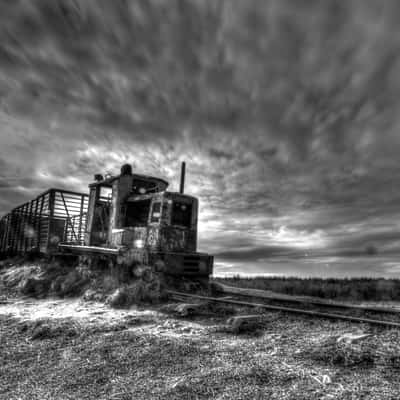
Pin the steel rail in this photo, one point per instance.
(288, 309)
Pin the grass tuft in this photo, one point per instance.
(366, 353)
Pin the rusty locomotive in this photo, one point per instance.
(128, 218)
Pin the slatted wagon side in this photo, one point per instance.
(40, 224)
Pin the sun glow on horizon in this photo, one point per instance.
(287, 236)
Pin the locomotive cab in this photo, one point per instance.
(136, 214)
(160, 222)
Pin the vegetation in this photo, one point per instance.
(158, 357)
(355, 289)
(49, 352)
(367, 353)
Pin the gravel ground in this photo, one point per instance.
(71, 349)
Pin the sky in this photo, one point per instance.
(286, 113)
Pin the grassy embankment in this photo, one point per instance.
(352, 289)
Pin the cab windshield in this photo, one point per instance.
(137, 213)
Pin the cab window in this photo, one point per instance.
(181, 214)
(137, 213)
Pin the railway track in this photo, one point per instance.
(237, 300)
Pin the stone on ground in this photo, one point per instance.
(92, 295)
(244, 323)
(136, 292)
(351, 338)
(118, 298)
(73, 283)
(34, 286)
(188, 309)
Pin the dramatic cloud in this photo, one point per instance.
(286, 111)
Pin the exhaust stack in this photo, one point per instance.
(183, 170)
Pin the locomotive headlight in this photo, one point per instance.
(55, 239)
(138, 243)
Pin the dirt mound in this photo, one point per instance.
(147, 289)
(39, 279)
(119, 286)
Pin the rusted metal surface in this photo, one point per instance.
(177, 239)
(81, 249)
(93, 197)
(176, 263)
(151, 183)
(134, 237)
(158, 233)
(183, 172)
(189, 264)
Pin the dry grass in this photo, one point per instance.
(291, 358)
(286, 357)
(367, 353)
